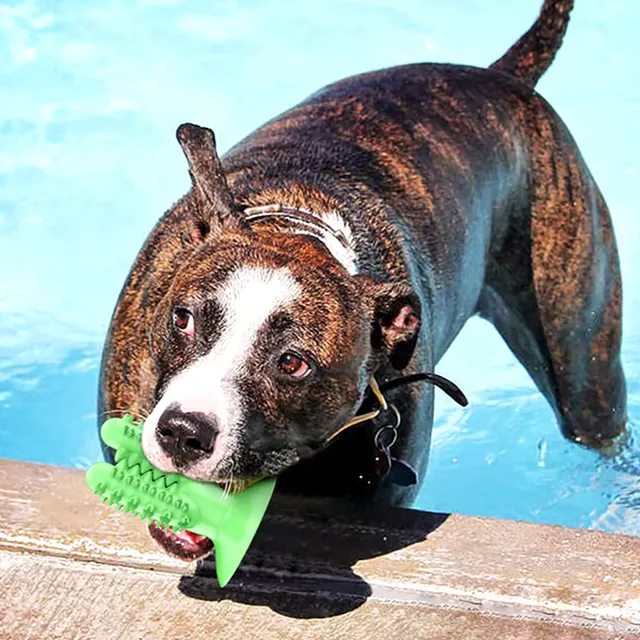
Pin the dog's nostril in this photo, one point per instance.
(194, 443)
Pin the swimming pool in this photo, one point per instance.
(89, 101)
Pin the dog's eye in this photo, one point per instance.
(293, 365)
(183, 321)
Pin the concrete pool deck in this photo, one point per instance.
(72, 568)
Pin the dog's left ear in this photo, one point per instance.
(210, 188)
(396, 320)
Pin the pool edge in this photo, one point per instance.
(317, 568)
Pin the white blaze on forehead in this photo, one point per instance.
(209, 385)
(248, 298)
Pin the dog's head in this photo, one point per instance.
(264, 343)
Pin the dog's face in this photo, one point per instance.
(261, 356)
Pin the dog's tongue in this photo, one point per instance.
(191, 537)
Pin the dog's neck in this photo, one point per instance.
(328, 227)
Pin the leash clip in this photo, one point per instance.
(398, 471)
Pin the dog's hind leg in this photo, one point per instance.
(553, 290)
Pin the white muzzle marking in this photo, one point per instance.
(248, 297)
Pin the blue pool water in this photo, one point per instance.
(90, 96)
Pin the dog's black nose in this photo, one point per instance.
(185, 437)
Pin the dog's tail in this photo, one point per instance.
(531, 56)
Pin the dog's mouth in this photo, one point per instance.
(185, 545)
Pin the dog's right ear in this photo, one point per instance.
(210, 188)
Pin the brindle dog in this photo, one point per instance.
(409, 200)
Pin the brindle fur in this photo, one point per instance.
(462, 183)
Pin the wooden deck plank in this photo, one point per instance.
(315, 568)
(56, 598)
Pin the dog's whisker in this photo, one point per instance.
(229, 484)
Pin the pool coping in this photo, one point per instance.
(316, 568)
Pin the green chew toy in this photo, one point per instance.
(230, 521)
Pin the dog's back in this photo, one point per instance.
(433, 157)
